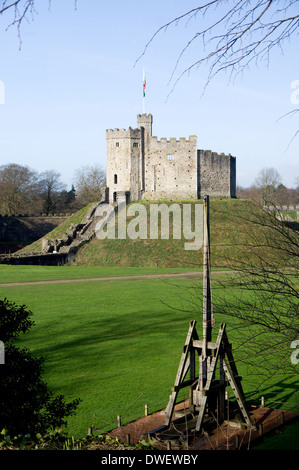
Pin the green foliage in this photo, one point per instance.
(145, 444)
(53, 439)
(26, 403)
(14, 323)
(57, 439)
(72, 444)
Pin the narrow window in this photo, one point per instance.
(117, 144)
(115, 179)
(135, 144)
(114, 197)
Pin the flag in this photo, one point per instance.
(144, 84)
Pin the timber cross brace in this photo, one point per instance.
(206, 392)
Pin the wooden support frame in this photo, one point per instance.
(220, 354)
(204, 389)
(185, 364)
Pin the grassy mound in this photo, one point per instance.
(233, 228)
(229, 223)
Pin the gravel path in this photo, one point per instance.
(107, 278)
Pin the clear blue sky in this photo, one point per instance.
(75, 76)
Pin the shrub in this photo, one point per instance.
(26, 403)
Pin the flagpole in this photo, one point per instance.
(143, 86)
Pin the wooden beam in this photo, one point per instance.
(234, 385)
(210, 374)
(198, 344)
(182, 371)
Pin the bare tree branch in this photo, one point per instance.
(263, 293)
(243, 32)
(21, 9)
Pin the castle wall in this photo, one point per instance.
(171, 168)
(216, 174)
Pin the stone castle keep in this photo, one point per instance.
(139, 166)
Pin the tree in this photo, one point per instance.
(66, 200)
(19, 188)
(268, 180)
(26, 403)
(51, 186)
(23, 190)
(252, 192)
(282, 195)
(89, 181)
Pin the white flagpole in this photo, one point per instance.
(143, 91)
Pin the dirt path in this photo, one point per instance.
(107, 278)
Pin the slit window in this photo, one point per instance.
(115, 179)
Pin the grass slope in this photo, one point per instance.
(226, 227)
(229, 221)
(59, 231)
(229, 230)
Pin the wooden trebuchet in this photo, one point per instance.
(206, 392)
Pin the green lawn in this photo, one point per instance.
(116, 344)
(100, 341)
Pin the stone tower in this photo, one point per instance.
(139, 166)
(145, 121)
(123, 163)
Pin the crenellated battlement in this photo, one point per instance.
(123, 133)
(171, 140)
(144, 116)
(211, 154)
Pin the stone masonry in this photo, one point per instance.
(139, 166)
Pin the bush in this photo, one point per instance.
(26, 403)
